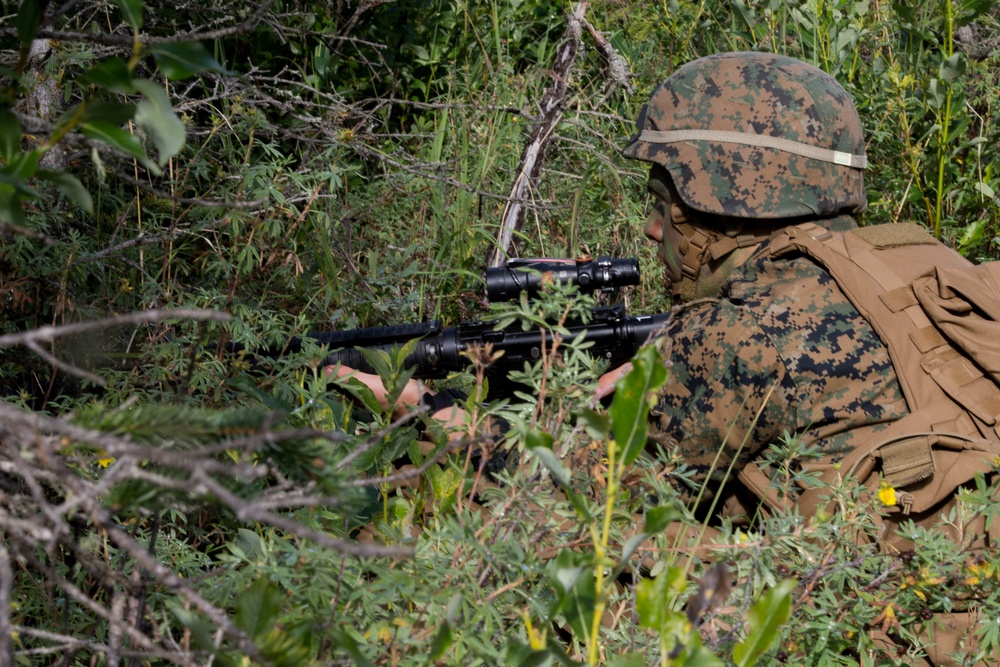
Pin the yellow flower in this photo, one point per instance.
(535, 637)
(887, 494)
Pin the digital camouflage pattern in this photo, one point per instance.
(785, 343)
(762, 94)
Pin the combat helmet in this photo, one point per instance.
(755, 136)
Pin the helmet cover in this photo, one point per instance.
(755, 135)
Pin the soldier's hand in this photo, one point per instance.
(410, 395)
(606, 383)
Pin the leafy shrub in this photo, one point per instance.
(182, 177)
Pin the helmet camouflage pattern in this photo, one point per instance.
(755, 135)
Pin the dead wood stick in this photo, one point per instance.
(551, 108)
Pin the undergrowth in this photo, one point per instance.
(185, 181)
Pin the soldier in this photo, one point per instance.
(747, 151)
(743, 144)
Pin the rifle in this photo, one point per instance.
(615, 336)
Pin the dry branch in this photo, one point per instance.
(50, 489)
(32, 339)
(550, 112)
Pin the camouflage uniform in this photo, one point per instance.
(783, 343)
(743, 144)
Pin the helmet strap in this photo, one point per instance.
(702, 245)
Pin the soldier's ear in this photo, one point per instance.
(659, 184)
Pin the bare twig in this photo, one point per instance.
(127, 41)
(31, 339)
(618, 73)
(50, 333)
(32, 345)
(249, 511)
(6, 588)
(551, 110)
(10, 229)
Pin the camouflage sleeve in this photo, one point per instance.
(728, 395)
(785, 351)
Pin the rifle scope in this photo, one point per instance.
(505, 283)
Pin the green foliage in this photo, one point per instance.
(334, 165)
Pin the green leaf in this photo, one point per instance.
(628, 660)
(350, 645)
(121, 139)
(696, 655)
(392, 446)
(572, 576)
(442, 640)
(69, 186)
(661, 516)
(765, 619)
(938, 93)
(10, 135)
(201, 630)
(630, 407)
(22, 166)
(272, 403)
(15, 183)
(907, 14)
(131, 12)
(540, 444)
(598, 424)
(112, 75)
(952, 69)
(360, 391)
(970, 10)
(181, 60)
(399, 374)
(250, 545)
(29, 17)
(559, 472)
(657, 519)
(518, 654)
(534, 438)
(155, 115)
(654, 600)
(446, 484)
(984, 189)
(972, 233)
(290, 646)
(112, 113)
(258, 608)
(379, 360)
(522, 655)
(10, 204)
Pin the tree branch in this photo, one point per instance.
(551, 107)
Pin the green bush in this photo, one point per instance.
(181, 177)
